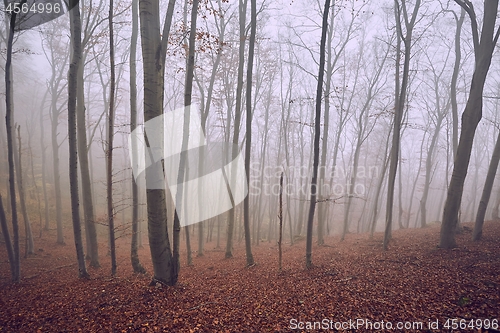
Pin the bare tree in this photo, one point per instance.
(237, 118)
(483, 51)
(76, 30)
(29, 247)
(248, 143)
(317, 129)
(9, 111)
(406, 38)
(154, 46)
(111, 132)
(134, 257)
(485, 197)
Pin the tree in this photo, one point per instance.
(134, 257)
(9, 110)
(84, 148)
(188, 92)
(317, 129)
(400, 102)
(76, 30)
(8, 242)
(454, 78)
(237, 118)
(154, 48)
(29, 247)
(483, 51)
(248, 143)
(111, 132)
(485, 196)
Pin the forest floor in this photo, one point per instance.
(354, 286)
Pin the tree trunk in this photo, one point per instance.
(9, 113)
(454, 79)
(188, 90)
(134, 256)
(83, 158)
(43, 149)
(414, 186)
(37, 192)
(248, 143)
(237, 118)
(55, 165)
(379, 187)
(29, 248)
(8, 243)
(153, 54)
(470, 119)
(485, 197)
(399, 108)
(317, 129)
(280, 217)
(326, 120)
(109, 152)
(75, 63)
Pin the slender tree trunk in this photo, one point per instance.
(8, 242)
(280, 216)
(412, 193)
(76, 30)
(188, 90)
(29, 248)
(317, 129)
(88, 206)
(485, 197)
(134, 256)
(326, 120)
(9, 114)
(109, 152)
(37, 192)
(237, 118)
(248, 143)
(379, 186)
(454, 79)
(55, 165)
(428, 169)
(43, 149)
(399, 108)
